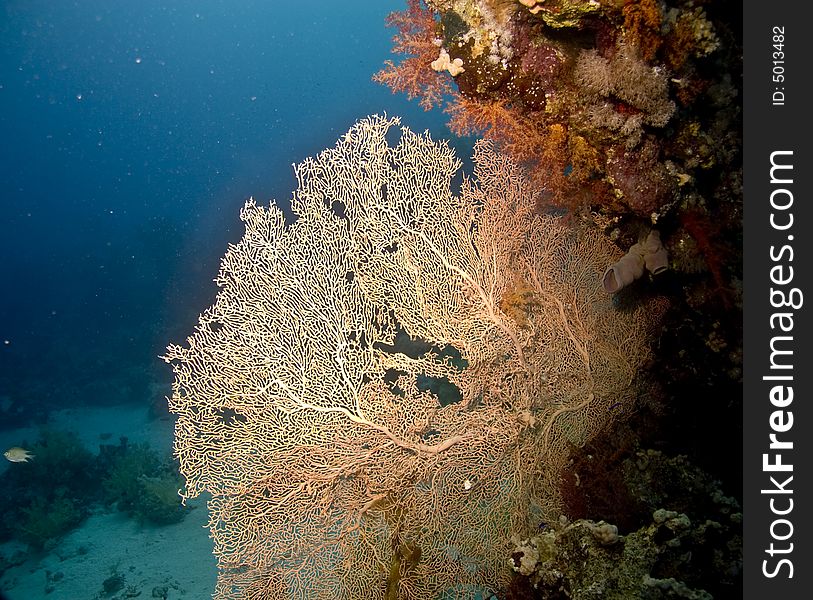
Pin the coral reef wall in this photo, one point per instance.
(628, 113)
(629, 110)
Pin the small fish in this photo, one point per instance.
(17, 454)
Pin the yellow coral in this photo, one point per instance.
(562, 13)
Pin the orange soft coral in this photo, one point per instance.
(542, 148)
(416, 38)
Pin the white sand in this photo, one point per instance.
(92, 424)
(176, 557)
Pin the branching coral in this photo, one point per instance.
(143, 486)
(328, 463)
(44, 521)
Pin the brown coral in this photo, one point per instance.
(642, 179)
(642, 26)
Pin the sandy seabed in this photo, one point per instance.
(170, 561)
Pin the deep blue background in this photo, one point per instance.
(131, 133)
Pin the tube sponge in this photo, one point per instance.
(656, 259)
(648, 255)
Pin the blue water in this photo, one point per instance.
(130, 135)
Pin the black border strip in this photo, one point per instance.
(778, 364)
